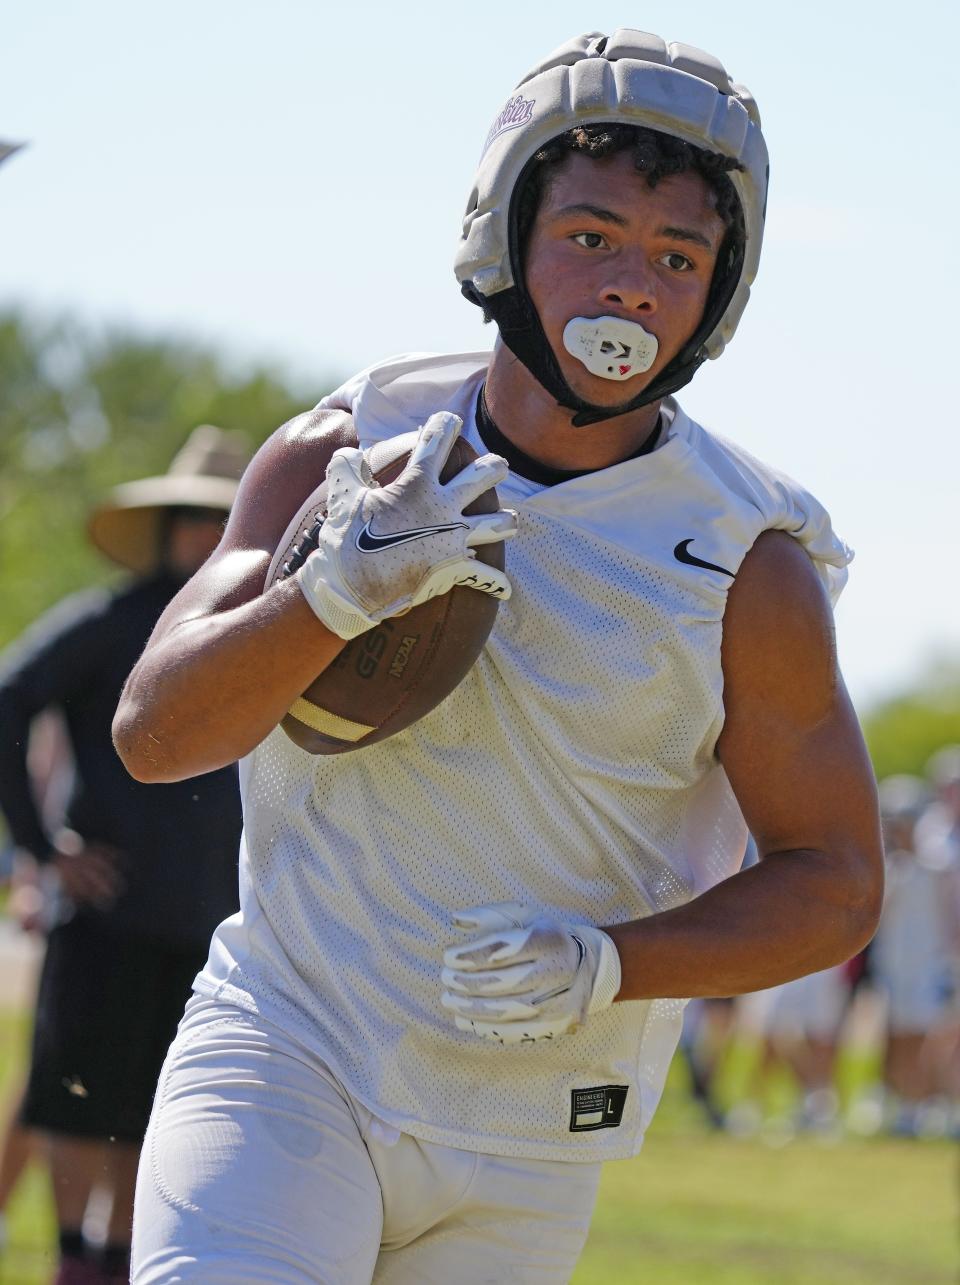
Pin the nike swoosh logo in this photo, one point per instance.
(367, 542)
(682, 554)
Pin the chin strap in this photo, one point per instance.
(521, 331)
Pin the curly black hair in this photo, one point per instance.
(655, 155)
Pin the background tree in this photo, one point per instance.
(904, 731)
(81, 411)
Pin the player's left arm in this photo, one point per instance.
(793, 752)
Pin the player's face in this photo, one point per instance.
(605, 244)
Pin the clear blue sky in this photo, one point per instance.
(286, 180)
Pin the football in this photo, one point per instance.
(389, 677)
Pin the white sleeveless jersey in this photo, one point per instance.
(573, 769)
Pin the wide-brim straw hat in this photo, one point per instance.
(204, 474)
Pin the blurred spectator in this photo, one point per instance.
(15, 1141)
(941, 821)
(798, 1024)
(911, 960)
(31, 906)
(145, 872)
(707, 1030)
(803, 1029)
(902, 991)
(938, 838)
(938, 831)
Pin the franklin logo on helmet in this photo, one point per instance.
(517, 112)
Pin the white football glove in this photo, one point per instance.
(385, 549)
(527, 976)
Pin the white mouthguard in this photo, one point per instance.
(610, 347)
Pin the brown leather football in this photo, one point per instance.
(387, 678)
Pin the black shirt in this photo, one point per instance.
(179, 841)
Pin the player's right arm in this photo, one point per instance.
(226, 660)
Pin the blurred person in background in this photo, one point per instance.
(798, 1027)
(939, 827)
(938, 838)
(143, 873)
(938, 832)
(910, 958)
(803, 1030)
(16, 1142)
(798, 1024)
(709, 1026)
(30, 908)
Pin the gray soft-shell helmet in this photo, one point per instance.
(630, 78)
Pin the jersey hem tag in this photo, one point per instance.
(597, 1108)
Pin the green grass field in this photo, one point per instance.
(710, 1210)
(697, 1208)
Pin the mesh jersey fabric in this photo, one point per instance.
(574, 769)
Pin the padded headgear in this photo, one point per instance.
(630, 78)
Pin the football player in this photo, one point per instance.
(457, 978)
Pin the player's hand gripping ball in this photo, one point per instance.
(527, 976)
(389, 528)
(385, 549)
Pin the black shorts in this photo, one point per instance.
(107, 1010)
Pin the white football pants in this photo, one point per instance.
(257, 1166)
